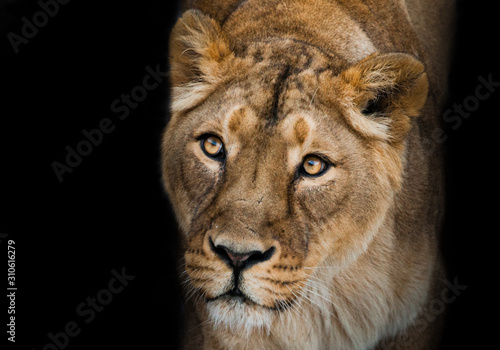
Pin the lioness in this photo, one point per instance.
(298, 164)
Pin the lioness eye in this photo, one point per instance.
(212, 146)
(314, 166)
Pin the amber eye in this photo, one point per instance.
(212, 146)
(314, 166)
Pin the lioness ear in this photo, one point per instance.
(198, 47)
(385, 91)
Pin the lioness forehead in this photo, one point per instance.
(283, 76)
(243, 123)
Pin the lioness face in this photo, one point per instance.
(274, 172)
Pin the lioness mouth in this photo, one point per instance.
(231, 296)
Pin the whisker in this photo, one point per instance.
(310, 103)
(301, 312)
(208, 320)
(319, 295)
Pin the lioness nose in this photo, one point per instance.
(241, 260)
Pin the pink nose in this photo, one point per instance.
(238, 259)
(241, 260)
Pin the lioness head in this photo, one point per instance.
(278, 159)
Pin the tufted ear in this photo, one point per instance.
(198, 49)
(382, 92)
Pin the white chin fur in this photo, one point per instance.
(239, 316)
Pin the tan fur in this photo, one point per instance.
(355, 250)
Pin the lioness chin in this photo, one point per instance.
(297, 162)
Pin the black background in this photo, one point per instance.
(111, 212)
